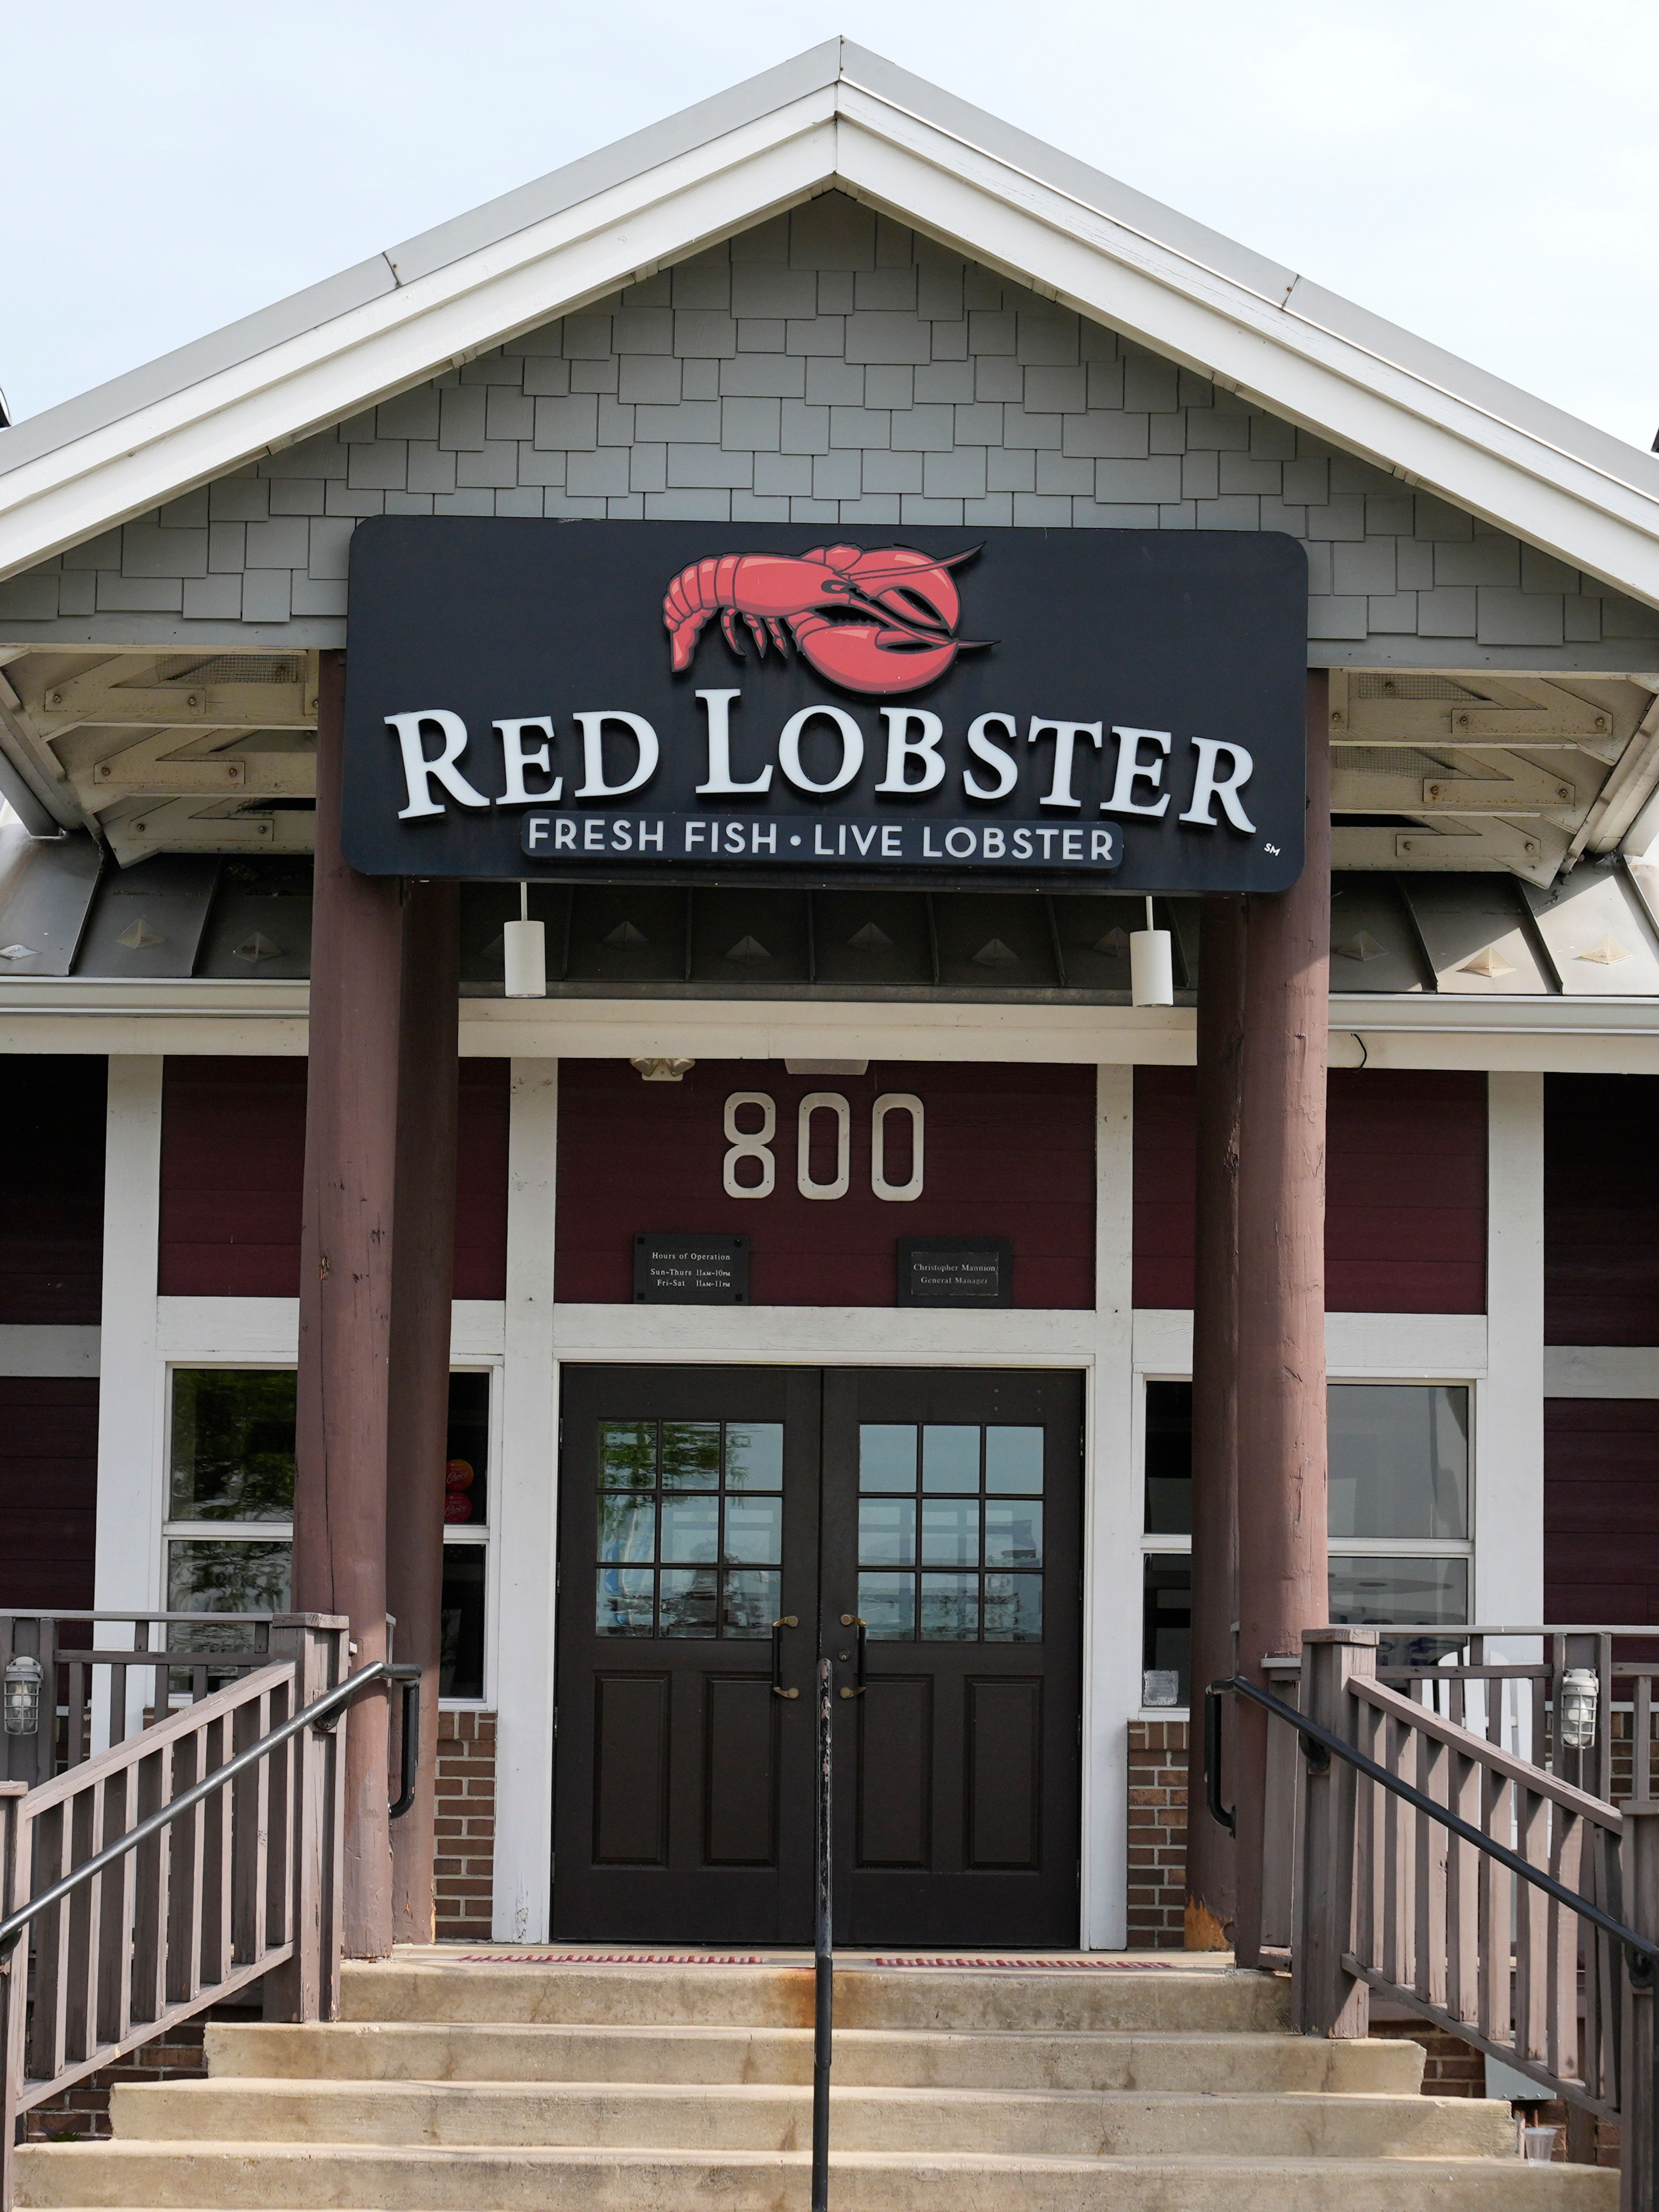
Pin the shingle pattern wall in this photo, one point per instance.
(832, 367)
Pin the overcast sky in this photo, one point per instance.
(1478, 170)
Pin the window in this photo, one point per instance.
(690, 1530)
(1400, 1546)
(230, 1529)
(957, 1560)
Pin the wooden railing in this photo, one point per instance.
(105, 1674)
(163, 1874)
(1468, 1885)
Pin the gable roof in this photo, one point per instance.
(836, 117)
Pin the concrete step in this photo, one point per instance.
(641, 2116)
(1166, 1999)
(1194, 2061)
(345, 2178)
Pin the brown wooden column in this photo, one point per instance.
(423, 1252)
(1282, 1570)
(1210, 1848)
(345, 1299)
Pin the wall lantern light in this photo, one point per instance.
(524, 949)
(22, 1696)
(1152, 971)
(1576, 1701)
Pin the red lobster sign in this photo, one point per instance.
(876, 622)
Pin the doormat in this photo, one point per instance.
(1048, 1965)
(610, 1959)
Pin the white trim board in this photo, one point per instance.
(1390, 1346)
(267, 1330)
(840, 117)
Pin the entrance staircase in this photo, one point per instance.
(575, 2087)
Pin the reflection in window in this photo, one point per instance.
(1372, 1591)
(232, 1444)
(1400, 1460)
(1168, 1459)
(461, 1650)
(1167, 1619)
(696, 1509)
(979, 1516)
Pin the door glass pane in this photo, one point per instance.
(950, 1608)
(1012, 1609)
(622, 1603)
(950, 1532)
(460, 1658)
(887, 1455)
(1013, 1462)
(750, 1603)
(690, 1602)
(887, 1531)
(1431, 1591)
(1014, 1533)
(628, 1455)
(887, 1606)
(950, 1458)
(690, 1528)
(1399, 1460)
(754, 1530)
(628, 1527)
(691, 1455)
(754, 1456)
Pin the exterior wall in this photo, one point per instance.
(1601, 1510)
(829, 367)
(48, 1490)
(1600, 1209)
(1405, 1216)
(1008, 1152)
(233, 1159)
(51, 1189)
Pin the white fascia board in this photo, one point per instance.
(1600, 1371)
(335, 369)
(1603, 516)
(221, 1332)
(1358, 1346)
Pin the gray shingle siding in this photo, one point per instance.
(831, 367)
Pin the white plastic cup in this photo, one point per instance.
(1152, 968)
(1541, 2144)
(524, 949)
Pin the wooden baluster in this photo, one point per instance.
(1463, 1895)
(1493, 2018)
(307, 1986)
(185, 1837)
(114, 1973)
(1430, 1874)
(280, 1852)
(1641, 1738)
(1531, 1930)
(249, 1835)
(152, 1878)
(50, 1833)
(1566, 1843)
(1602, 1784)
(215, 1882)
(83, 1913)
(15, 1856)
(45, 1739)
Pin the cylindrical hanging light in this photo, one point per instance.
(524, 949)
(1151, 967)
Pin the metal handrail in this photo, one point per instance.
(1318, 1743)
(321, 1712)
(823, 1938)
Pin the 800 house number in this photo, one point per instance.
(750, 1153)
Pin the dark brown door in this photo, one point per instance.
(952, 1528)
(699, 1507)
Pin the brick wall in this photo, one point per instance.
(1157, 1834)
(465, 1862)
(828, 366)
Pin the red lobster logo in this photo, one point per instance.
(870, 621)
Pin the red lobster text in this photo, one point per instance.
(874, 622)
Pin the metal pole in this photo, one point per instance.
(823, 1945)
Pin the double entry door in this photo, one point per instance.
(721, 1530)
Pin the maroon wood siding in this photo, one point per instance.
(51, 1188)
(1601, 1509)
(1602, 1209)
(1406, 1212)
(233, 1158)
(48, 1491)
(1009, 1152)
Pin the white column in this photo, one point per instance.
(1111, 1529)
(131, 1390)
(1509, 1409)
(526, 1534)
